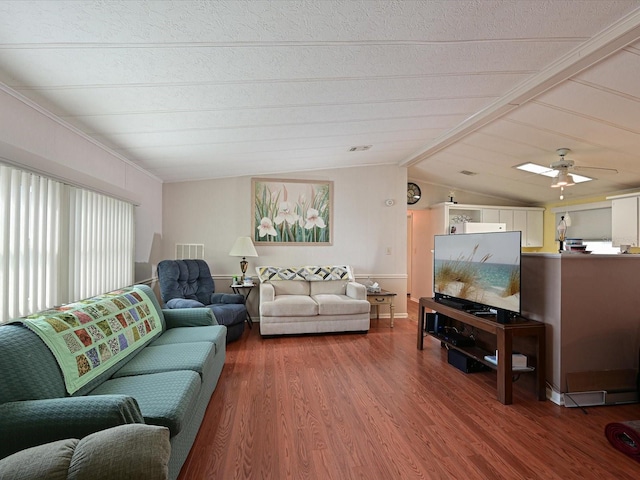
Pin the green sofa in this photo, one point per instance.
(166, 381)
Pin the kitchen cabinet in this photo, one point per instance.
(499, 215)
(531, 224)
(491, 215)
(529, 220)
(624, 221)
(449, 213)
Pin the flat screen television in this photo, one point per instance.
(480, 270)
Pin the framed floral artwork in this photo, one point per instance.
(292, 212)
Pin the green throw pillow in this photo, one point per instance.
(50, 461)
(127, 452)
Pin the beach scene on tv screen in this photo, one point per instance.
(481, 268)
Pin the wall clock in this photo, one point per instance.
(413, 193)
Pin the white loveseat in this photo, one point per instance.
(311, 299)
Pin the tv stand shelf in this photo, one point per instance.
(478, 354)
(504, 332)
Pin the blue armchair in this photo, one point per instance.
(188, 284)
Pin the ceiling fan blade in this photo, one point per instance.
(601, 169)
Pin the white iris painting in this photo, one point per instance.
(292, 211)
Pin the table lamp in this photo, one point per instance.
(562, 232)
(243, 248)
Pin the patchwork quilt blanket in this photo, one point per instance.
(89, 336)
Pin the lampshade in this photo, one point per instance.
(562, 229)
(567, 219)
(243, 248)
(563, 179)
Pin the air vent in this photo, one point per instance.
(189, 250)
(467, 172)
(360, 148)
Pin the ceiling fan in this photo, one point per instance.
(565, 168)
(563, 171)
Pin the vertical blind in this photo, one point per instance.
(59, 243)
(100, 240)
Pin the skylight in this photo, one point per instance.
(549, 172)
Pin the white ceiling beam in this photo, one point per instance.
(615, 37)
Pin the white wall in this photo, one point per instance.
(216, 212)
(36, 140)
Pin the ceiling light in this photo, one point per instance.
(562, 180)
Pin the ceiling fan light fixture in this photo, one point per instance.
(563, 179)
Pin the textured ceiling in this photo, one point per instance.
(205, 89)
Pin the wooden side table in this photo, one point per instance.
(383, 297)
(245, 291)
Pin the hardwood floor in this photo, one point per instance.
(372, 406)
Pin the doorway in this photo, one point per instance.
(409, 252)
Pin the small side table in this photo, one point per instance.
(383, 297)
(245, 291)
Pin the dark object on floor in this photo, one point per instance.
(188, 284)
(465, 363)
(457, 339)
(625, 436)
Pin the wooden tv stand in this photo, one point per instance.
(504, 332)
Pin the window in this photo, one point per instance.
(101, 246)
(59, 243)
(591, 223)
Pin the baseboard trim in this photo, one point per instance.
(555, 397)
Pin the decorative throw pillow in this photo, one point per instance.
(312, 277)
(127, 452)
(50, 461)
(184, 303)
